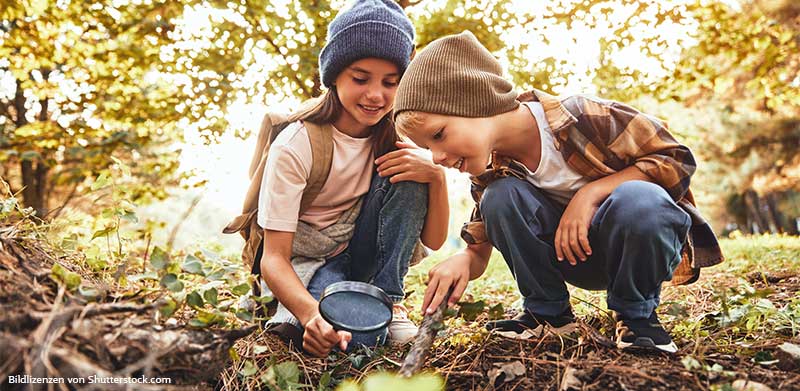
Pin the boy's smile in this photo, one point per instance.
(455, 142)
(466, 144)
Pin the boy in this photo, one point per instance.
(573, 189)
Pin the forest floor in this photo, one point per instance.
(737, 324)
(70, 310)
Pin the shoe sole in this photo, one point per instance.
(644, 343)
(537, 332)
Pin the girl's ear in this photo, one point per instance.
(413, 53)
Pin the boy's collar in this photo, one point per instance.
(557, 115)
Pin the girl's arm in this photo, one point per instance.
(319, 336)
(412, 163)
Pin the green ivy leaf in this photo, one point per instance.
(159, 259)
(211, 296)
(249, 369)
(497, 311)
(61, 275)
(241, 289)
(192, 265)
(194, 300)
(171, 282)
(216, 275)
(103, 232)
(244, 315)
(470, 311)
(168, 308)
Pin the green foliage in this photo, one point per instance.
(69, 278)
(392, 382)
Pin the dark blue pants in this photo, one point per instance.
(387, 229)
(636, 238)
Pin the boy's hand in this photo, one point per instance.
(319, 337)
(409, 163)
(453, 272)
(572, 235)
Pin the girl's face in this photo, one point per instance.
(366, 89)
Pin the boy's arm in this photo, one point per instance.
(455, 272)
(572, 236)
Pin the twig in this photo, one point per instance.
(174, 233)
(431, 324)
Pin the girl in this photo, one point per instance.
(370, 212)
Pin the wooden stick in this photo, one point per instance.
(431, 324)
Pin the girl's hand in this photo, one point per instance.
(319, 337)
(572, 235)
(409, 163)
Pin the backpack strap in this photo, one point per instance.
(321, 137)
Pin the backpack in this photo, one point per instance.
(246, 224)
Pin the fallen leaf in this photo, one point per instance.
(570, 380)
(505, 372)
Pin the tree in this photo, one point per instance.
(88, 82)
(84, 86)
(732, 66)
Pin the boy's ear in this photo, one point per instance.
(413, 53)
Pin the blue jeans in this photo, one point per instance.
(636, 237)
(386, 231)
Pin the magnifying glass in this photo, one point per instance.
(355, 306)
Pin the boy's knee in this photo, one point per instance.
(644, 207)
(501, 199)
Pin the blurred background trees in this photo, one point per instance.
(81, 82)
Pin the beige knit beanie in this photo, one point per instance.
(455, 75)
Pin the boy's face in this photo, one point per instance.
(455, 142)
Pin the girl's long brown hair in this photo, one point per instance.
(327, 109)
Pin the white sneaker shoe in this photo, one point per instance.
(401, 329)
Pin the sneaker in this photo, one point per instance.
(401, 329)
(528, 325)
(647, 334)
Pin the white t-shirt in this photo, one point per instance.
(287, 170)
(553, 176)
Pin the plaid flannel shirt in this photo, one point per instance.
(599, 138)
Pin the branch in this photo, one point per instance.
(66, 201)
(294, 74)
(174, 233)
(431, 324)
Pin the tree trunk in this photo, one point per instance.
(34, 180)
(775, 213)
(756, 222)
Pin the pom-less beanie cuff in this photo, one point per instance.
(367, 29)
(364, 40)
(455, 75)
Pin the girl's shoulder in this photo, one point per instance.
(294, 137)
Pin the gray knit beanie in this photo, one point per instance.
(369, 28)
(455, 75)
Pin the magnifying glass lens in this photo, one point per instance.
(356, 307)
